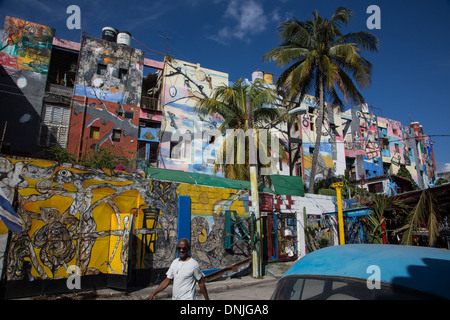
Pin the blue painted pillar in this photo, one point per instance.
(184, 218)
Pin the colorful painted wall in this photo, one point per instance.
(331, 159)
(186, 135)
(379, 145)
(24, 62)
(399, 151)
(108, 223)
(96, 123)
(107, 96)
(425, 156)
(109, 71)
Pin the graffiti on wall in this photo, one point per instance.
(109, 71)
(108, 221)
(319, 232)
(84, 217)
(331, 150)
(103, 124)
(26, 45)
(208, 208)
(188, 140)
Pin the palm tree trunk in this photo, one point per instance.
(319, 124)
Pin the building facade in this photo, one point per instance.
(104, 94)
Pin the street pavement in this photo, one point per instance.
(273, 272)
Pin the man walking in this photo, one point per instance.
(185, 273)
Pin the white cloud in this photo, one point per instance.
(246, 18)
(444, 167)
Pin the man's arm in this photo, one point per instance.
(160, 288)
(201, 284)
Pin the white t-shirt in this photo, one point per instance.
(185, 275)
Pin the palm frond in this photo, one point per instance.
(425, 211)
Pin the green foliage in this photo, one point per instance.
(441, 181)
(60, 154)
(231, 103)
(424, 214)
(327, 192)
(380, 204)
(322, 60)
(383, 206)
(100, 158)
(404, 173)
(104, 158)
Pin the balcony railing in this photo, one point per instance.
(60, 90)
(150, 103)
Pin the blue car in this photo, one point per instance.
(368, 272)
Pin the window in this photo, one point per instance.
(55, 125)
(339, 288)
(101, 69)
(129, 114)
(177, 150)
(211, 138)
(397, 147)
(116, 135)
(94, 133)
(123, 74)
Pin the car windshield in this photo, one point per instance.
(339, 288)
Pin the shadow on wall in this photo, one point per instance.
(21, 97)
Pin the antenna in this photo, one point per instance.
(165, 44)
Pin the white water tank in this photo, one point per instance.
(124, 37)
(257, 74)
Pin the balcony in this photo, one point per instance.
(60, 90)
(150, 103)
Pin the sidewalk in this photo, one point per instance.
(273, 272)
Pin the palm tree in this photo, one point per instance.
(376, 222)
(425, 212)
(230, 102)
(324, 61)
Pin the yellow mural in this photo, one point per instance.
(107, 222)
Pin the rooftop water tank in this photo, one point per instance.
(109, 33)
(268, 78)
(124, 37)
(257, 74)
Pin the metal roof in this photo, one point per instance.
(283, 185)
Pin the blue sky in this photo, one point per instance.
(411, 71)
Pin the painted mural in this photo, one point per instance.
(331, 154)
(96, 123)
(188, 140)
(108, 222)
(24, 61)
(107, 97)
(109, 71)
(381, 145)
(425, 156)
(73, 216)
(208, 208)
(26, 45)
(396, 146)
